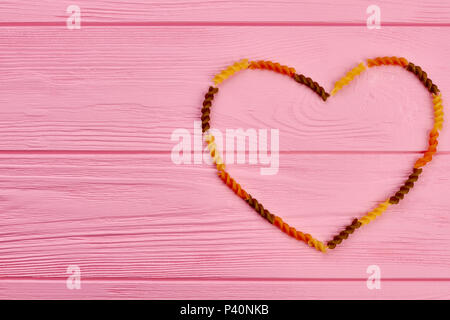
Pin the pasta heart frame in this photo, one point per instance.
(320, 91)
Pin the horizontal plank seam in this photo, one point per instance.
(224, 279)
(219, 24)
(49, 152)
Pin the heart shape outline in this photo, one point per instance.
(320, 91)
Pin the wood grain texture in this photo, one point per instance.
(207, 290)
(133, 217)
(113, 88)
(301, 12)
(86, 176)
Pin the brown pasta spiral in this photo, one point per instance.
(409, 184)
(260, 209)
(312, 84)
(422, 75)
(209, 96)
(337, 239)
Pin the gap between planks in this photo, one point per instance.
(157, 152)
(221, 279)
(221, 24)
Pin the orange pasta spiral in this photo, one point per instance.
(232, 184)
(274, 66)
(305, 237)
(394, 61)
(432, 148)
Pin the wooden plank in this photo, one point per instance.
(142, 217)
(113, 88)
(223, 290)
(304, 11)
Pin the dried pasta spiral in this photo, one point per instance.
(212, 147)
(228, 72)
(372, 215)
(432, 148)
(438, 111)
(274, 66)
(423, 77)
(409, 184)
(337, 239)
(305, 237)
(209, 96)
(260, 209)
(232, 184)
(348, 78)
(314, 86)
(393, 61)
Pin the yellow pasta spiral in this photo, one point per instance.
(229, 71)
(318, 245)
(348, 78)
(372, 215)
(212, 147)
(438, 111)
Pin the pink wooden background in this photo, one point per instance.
(86, 176)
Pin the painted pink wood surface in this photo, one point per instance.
(213, 289)
(86, 176)
(299, 12)
(110, 86)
